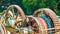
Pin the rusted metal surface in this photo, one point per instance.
(44, 25)
(35, 24)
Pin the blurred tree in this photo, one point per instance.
(29, 6)
(32, 5)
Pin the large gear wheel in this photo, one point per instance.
(50, 13)
(12, 18)
(19, 10)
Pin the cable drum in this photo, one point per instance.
(48, 22)
(44, 25)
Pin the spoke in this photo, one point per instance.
(13, 11)
(35, 25)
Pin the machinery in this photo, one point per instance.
(43, 21)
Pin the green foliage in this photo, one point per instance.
(29, 6)
(32, 5)
(42, 5)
